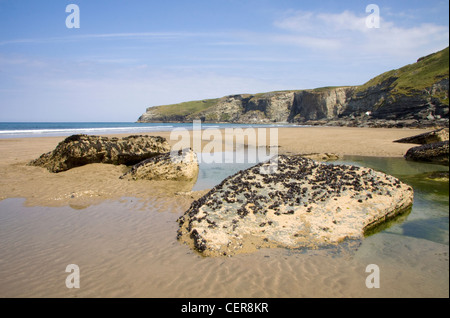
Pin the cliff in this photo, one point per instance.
(414, 95)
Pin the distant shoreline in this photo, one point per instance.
(57, 129)
(377, 142)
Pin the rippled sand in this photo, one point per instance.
(122, 235)
(128, 248)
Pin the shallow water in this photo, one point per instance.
(223, 164)
(430, 213)
(128, 248)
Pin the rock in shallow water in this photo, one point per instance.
(79, 150)
(181, 165)
(436, 153)
(303, 204)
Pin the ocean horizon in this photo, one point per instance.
(56, 129)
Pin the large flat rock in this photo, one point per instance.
(303, 204)
(79, 150)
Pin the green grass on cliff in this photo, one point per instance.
(185, 108)
(326, 88)
(414, 78)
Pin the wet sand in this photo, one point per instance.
(122, 235)
(125, 248)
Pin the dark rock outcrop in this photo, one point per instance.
(437, 135)
(435, 153)
(79, 150)
(303, 203)
(383, 102)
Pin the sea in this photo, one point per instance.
(52, 129)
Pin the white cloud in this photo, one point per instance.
(322, 23)
(345, 21)
(347, 32)
(396, 39)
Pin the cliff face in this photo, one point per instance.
(290, 106)
(415, 94)
(325, 103)
(428, 103)
(268, 107)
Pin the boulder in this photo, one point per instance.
(303, 204)
(79, 150)
(181, 165)
(437, 135)
(437, 152)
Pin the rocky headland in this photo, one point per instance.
(304, 204)
(415, 95)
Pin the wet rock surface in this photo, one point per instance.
(303, 204)
(437, 152)
(438, 176)
(368, 122)
(179, 165)
(79, 150)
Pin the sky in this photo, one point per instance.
(127, 55)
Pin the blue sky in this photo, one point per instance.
(129, 55)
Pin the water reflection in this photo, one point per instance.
(428, 218)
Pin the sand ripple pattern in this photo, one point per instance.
(128, 248)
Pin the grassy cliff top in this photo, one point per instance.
(414, 77)
(194, 107)
(185, 108)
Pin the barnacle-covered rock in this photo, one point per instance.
(303, 203)
(79, 150)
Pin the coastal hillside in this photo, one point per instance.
(414, 95)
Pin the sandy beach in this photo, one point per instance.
(92, 183)
(122, 234)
